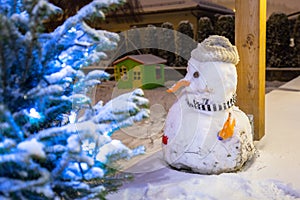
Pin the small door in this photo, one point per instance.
(123, 72)
(137, 77)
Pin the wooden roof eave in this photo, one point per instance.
(215, 9)
(195, 7)
(126, 57)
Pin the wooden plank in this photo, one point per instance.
(250, 37)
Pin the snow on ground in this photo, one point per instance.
(272, 174)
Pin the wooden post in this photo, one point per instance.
(250, 39)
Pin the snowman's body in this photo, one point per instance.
(194, 121)
(193, 142)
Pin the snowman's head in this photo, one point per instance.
(211, 72)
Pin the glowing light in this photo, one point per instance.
(72, 30)
(34, 114)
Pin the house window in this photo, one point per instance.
(136, 75)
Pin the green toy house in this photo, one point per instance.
(144, 71)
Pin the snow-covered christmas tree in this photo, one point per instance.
(48, 150)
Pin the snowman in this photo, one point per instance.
(204, 131)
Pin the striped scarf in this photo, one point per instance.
(212, 107)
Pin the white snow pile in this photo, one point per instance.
(116, 147)
(225, 186)
(162, 182)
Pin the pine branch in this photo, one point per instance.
(46, 154)
(8, 185)
(9, 118)
(78, 19)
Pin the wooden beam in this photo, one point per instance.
(250, 39)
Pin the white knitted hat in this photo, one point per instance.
(216, 49)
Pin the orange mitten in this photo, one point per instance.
(228, 129)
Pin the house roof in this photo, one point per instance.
(159, 5)
(142, 7)
(147, 59)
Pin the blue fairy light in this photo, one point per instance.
(72, 30)
(34, 114)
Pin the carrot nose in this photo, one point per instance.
(178, 85)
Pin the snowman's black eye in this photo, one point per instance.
(196, 74)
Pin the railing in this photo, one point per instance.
(282, 73)
(173, 73)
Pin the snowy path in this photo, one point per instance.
(273, 174)
(279, 149)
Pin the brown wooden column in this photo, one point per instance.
(250, 39)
